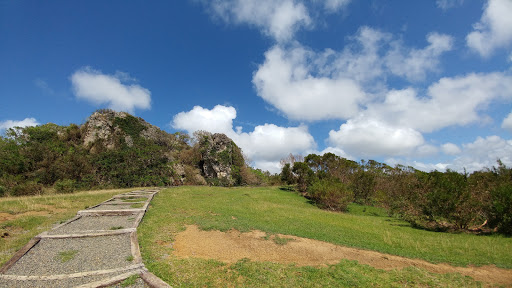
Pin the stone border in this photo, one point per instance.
(73, 275)
(136, 269)
(97, 233)
(19, 254)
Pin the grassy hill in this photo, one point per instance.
(274, 211)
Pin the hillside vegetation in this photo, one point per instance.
(115, 149)
(441, 201)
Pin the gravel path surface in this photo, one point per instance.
(91, 223)
(65, 261)
(73, 255)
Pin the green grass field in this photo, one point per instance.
(274, 211)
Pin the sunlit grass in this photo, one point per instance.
(281, 212)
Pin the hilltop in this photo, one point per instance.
(115, 149)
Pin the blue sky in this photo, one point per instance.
(420, 83)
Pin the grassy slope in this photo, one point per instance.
(35, 214)
(275, 211)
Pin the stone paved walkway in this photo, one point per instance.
(97, 248)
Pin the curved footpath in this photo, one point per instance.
(97, 248)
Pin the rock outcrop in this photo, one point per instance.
(221, 159)
(109, 127)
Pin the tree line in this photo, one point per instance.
(440, 201)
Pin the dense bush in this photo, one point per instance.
(441, 201)
(27, 188)
(64, 186)
(331, 194)
(500, 211)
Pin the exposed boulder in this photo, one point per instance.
(100, 127)
(111, 129)
(221, 159)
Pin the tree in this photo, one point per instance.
(287, 175)
(304, 174)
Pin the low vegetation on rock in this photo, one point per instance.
(114, 150)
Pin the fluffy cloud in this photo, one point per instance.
(265, 146)
(278, 19)
(373, 54)
(450, 149)
(114, 90)
(493, 31)
(217, 120)
(413, 64)
(507, 123)
(335, 151)
(308, 85)
(474, 156)
(450, 101)
(360, 60)
(484, 152)
(4, 125)
(286, 81)
(369, 138)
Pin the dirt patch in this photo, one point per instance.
(6, 217)
(233, 245)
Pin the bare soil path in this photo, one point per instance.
(97, 248)
(233, 245)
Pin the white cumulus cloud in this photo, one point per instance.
(6, 124)
(450, 101)
(480, 154)
(114, 90)
(484, 152)
(368, 137)
(279, 19)
(266, 145)
(217, 120)
(307, 85)
(507, 123)
(494, 29)
(287, 82)
(413, 64)
(450, 149)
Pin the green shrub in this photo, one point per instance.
(2, 191)
(65, 186)
(501, 208)
(27, 188)
(331, 194)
